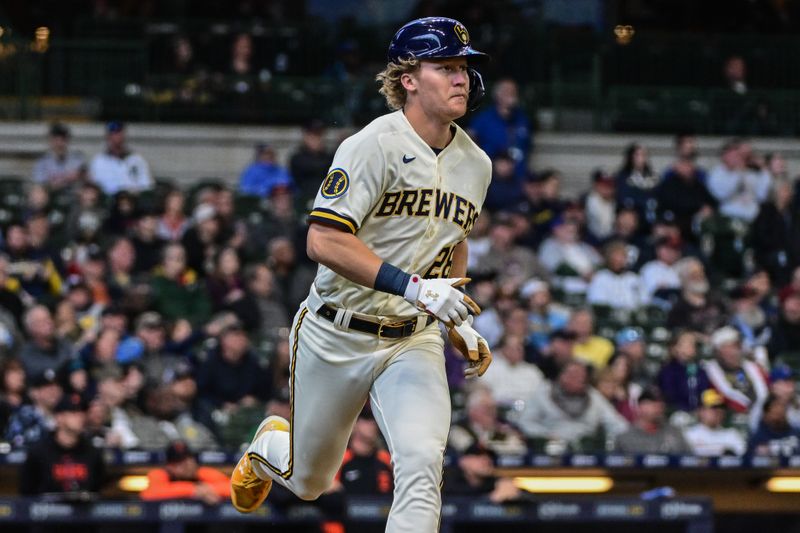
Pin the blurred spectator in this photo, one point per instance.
(786, 332)
(775, 234)
(636, 182)
(121, 257)
(175, 419)
(173, 222)
(590, 348)
(739, 187)
(118, 168)
(263, 307)
(741, 382)
(682, 191)
(225, 283)
(557, 353)
(264, 174)
(682, 379)
(541, 204)
(65, 460)
(565, 255)
(43, 350)
(111, 396)
(474, 475)
(747, 316)
(601, 205)
(569, 409)
(233, 376)
(123, 214)
(310, 162)
(504, 127)
(626, 229)
(182, 479)
(13, 392)
(367, 467)
(708, 438)
(782, 384)
(774, 436)
(156, 360)
(505, 189)
(34, 269)
(630, 344)
(735, 72)
(650, 431)
(696, 309)
(59, 167)
(292, 278)
(615, 384)
(194, 418)
(544, 315)
(146, 243)
(203, 239)
(11, 293)
(32, 421)
(483, 427)
(615, 285)
(510, 378)
(93, 272)
(175, 290)
(514, 263)
(659, 277)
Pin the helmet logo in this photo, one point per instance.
(461, 32)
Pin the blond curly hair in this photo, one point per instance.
(391, 87)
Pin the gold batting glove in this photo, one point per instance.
(472, 346)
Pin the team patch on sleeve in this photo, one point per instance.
(332, 218)
(336, 184)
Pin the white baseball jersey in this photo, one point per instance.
(406, 203)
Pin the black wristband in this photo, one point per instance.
(391, 279)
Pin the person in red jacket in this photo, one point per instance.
(182, 478)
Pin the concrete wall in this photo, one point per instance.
(187, 152)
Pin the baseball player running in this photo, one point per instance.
(388, 229)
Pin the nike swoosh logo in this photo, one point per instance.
(407, 159)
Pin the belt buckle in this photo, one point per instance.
(382, 325)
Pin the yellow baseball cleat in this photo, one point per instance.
(248, 491)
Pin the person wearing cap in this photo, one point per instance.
(570, 409)
(32, 421)
(504, 127)
(544, 315)
(615, 285)
(65, 460)
(59, 167)
(264, 174)
(709, 438)
(310, 161)
(782, 383)
(118, 168)
(630, 343)
(505, 190)
(601, 206)
(740, 381)
(182, 478)
(542, 204)
(682, 379)
(650, 431)
(747, 316)
(660, 279)
(774, 436)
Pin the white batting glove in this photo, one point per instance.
(441, 298)
(472, 346)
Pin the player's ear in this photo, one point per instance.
(409, 81)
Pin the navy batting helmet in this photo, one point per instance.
(439, 38)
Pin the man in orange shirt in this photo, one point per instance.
(182, 478)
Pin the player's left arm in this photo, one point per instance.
(459, 268)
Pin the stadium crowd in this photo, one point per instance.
(659, 312)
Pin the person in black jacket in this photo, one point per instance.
(775, 234)
(64, 461)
